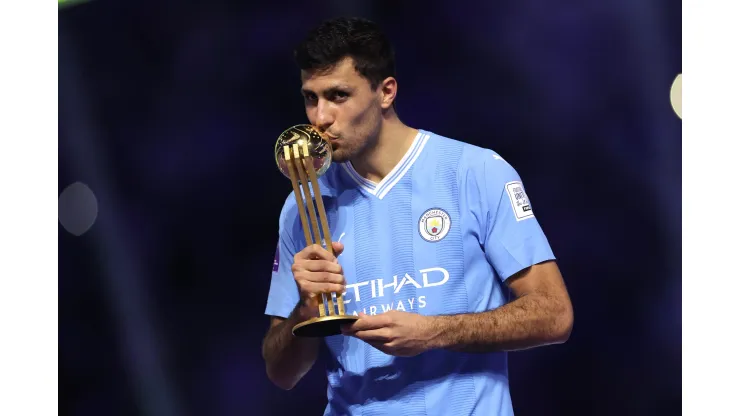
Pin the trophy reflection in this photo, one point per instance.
(302, 155)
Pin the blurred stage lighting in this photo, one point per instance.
(676, 94)
(63, 4)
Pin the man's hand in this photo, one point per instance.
(403, 334)
(316, 271)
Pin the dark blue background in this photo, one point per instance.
(169, 111)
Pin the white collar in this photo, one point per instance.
(382, 188)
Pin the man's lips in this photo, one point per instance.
(328, 136)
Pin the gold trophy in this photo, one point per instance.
(302, 155)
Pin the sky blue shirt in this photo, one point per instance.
(438, 235)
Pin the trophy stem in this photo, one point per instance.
(324, 223)
(307, 193)
(302, 212)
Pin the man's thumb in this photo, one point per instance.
(338, 248)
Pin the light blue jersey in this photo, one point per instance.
(438, 235)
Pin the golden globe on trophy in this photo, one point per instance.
(302, 154)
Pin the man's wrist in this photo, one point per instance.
(440, 331)
(306, 309)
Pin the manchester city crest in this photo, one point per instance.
(434, 224)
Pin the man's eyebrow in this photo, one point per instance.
(332, 89)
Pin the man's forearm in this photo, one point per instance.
(288, 358)
(529, 321)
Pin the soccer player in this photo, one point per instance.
(431, 234)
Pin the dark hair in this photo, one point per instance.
(358, 38)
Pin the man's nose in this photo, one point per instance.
(324, 116)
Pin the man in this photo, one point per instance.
(430, 233)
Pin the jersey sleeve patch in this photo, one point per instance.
(276, 260)
(519, 201)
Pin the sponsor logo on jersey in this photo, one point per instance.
(377, 288)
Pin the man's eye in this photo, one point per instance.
(340, 95)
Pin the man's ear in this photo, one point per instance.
(387, 90)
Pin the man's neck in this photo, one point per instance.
(394, 141)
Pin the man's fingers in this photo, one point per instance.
(380, 335)
(320, 277)
(338, 248)
(321, 266)
(314, 252)
(368, 322)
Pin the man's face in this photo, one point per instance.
(342, 104)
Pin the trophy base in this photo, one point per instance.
(323, 326)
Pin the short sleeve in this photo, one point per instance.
(513, 238)
(283, 295)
